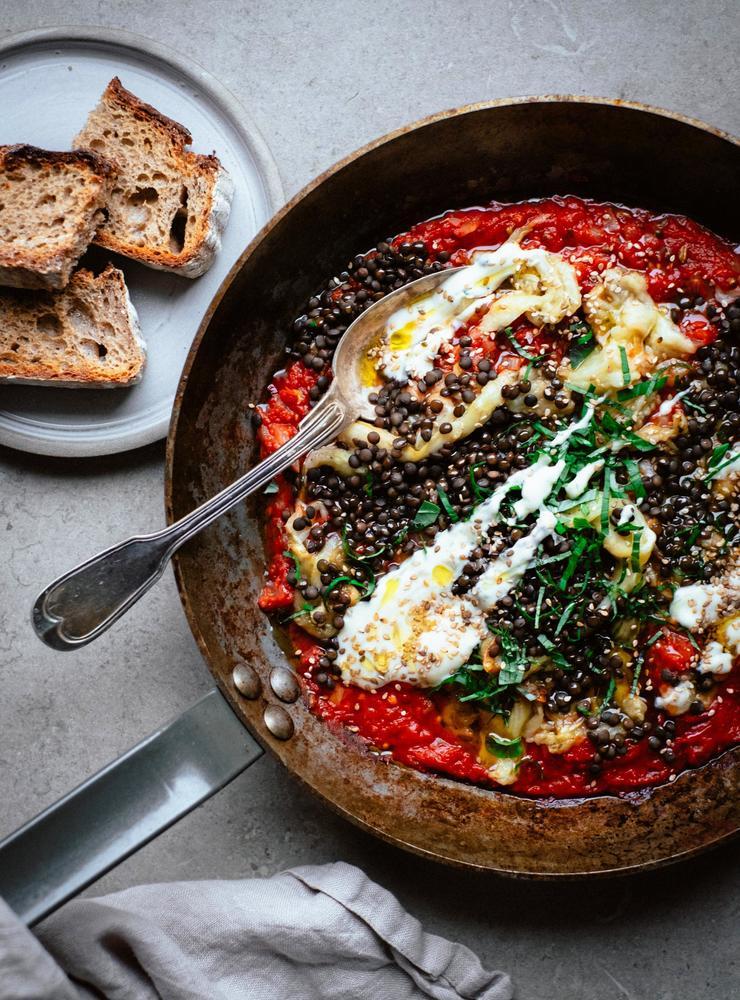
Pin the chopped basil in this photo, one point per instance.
(305, 610)
(694, 406)
(296, 565)
(605, 503)
(426, 515)
(582, 344)
(509, 333)
(513, 656)
(481, 492)
(636, 484)
(575, 554)
(732, 457)
(717, 455)
(562, 621)
(446, 505)
(646, 388)
(557, 657)
(611, 687)
(366, 587)
(626, 376)
(359, 557)
(500, 746)
(538, 609)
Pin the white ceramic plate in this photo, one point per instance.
(49, 81)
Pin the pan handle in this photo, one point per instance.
(118, 810)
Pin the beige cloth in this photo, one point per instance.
(324, 932)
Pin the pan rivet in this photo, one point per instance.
(246, 680)
(279, 722)
(284, 684)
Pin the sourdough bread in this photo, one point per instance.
(50, 206)
(86, 335)
(168, 206)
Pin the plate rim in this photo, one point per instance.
(70, 445)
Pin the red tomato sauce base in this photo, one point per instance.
(403, 723)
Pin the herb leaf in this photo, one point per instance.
(651, 385)
(296, 565)
(626, 376)
(513, 657)
(509, 333)
(446, 505)
(500, 746)
(426, 515)
(582, 344)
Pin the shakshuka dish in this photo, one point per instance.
(519, 566)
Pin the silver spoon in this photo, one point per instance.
(82, 604)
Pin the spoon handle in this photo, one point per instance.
(82, 604)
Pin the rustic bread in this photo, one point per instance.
(169, 206)
(86, 335)
(50, 206)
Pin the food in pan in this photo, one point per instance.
(168, 207)
(50, 206)
(85, 336)
(519, 566)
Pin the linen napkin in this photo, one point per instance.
(325, 932)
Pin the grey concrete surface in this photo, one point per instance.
(321, 78)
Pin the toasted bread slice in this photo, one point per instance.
(169, 206)
(86, 335)
(50, 206)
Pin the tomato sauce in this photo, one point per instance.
(404, 723)
(676, 253)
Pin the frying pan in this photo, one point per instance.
(506, 150)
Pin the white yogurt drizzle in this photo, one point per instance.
(369, 625)
(414, 335)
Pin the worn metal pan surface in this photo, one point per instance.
(506, 150)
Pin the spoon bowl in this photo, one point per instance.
(366, 330)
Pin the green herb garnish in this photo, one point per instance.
(500, 746)
(366, 587)
(426, 514)
(611, 687)
(635, 556)
(513, 657)
(509, 334)
(646, 388)
(555, 655)
(305, 610)
(481, 492)
(296, 565)
(446, 505)
(635, 483)
(626, 376)
(582, 344)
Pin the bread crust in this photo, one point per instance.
(22, 152)
(205, 231)
(22, 309)
(116, 93)
(34, 267)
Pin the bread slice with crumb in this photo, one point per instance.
(50, 206)
(169, 206)
(86, 335)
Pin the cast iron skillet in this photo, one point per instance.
(506, 150)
